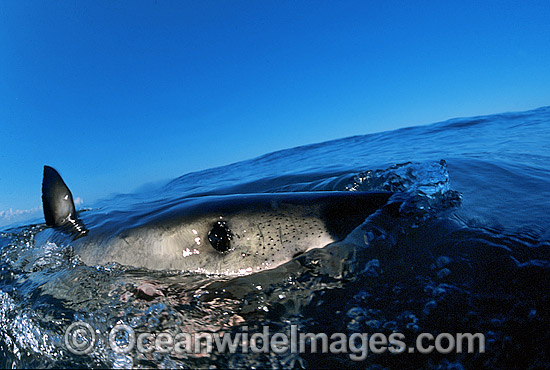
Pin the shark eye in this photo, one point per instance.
(220, 237)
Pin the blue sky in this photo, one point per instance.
(115, 94)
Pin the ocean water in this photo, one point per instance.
(468, 252)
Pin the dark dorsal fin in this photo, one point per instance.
(58, 203)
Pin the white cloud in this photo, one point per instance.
(11, 215)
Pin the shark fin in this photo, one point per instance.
(58, 204)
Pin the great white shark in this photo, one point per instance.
(230, 234)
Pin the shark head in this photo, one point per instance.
(230, 234)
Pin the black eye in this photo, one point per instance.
(220, 237)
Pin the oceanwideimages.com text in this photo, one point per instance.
(81, 338)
